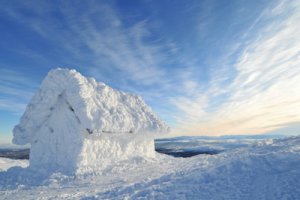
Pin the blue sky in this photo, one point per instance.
(205, 67)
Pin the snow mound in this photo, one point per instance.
(75, 123)
(6, 163)
(95, 106)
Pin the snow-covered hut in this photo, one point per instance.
(76, 125)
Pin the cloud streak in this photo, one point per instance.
(16, 91)
(264, 94)
(94, 37)
(99, 34)
(221, 81)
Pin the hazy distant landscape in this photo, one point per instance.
(14, 153)
(184, 146)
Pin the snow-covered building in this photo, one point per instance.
(76, 125)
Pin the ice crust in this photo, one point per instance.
(74, 122)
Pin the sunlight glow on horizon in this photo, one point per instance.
(206, 68)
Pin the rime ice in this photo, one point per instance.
(75, 124)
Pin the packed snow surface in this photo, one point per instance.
(268, 169)
(75, 125)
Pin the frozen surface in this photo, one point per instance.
(107, 150)
(268, 169)
(75, 124)
(6, 163)
(90, 106)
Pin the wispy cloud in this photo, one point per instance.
(98, 33)
(94, 37)
(16, 91)
(264, 92)
(239, 82)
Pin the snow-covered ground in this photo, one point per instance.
(6, 163)
(268, 169)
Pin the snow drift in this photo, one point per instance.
(74, 123)
(265, 170)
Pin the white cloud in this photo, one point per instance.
(11, 105)
(95, 30)
(16, 91)
(264, 94)
(94, 36)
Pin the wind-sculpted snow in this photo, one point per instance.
(6, 163)
(266, 170)
(96, 108)
(75, 124)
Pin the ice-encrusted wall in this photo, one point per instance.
(74, 123)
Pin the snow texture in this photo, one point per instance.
(266, 170)
(70, 120)
(6, 163)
